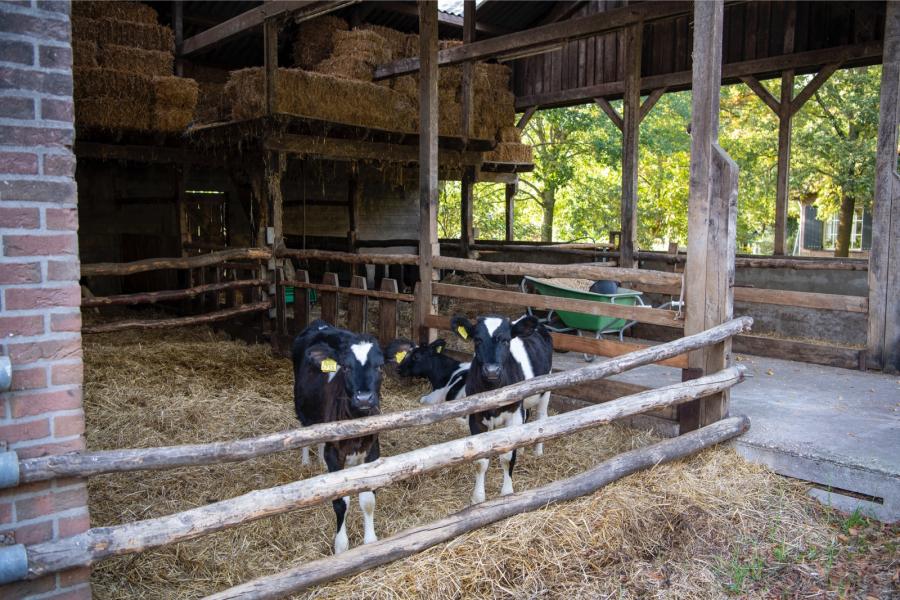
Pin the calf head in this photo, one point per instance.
(358, 365)
(492, 335)
(415, 361)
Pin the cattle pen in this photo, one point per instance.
(187, 186)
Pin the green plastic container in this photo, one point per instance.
(582, 321)
(288, 295)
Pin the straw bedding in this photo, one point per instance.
(670, 532)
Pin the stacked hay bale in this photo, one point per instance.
(314, 42)
(212, 103)
(123, 70)
(355, 54)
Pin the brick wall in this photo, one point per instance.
(40, 320)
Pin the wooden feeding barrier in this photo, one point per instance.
(100, 543)
(239, 266)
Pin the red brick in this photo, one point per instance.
(59, 164)
(60, 6)
(15, 273)
(14, 135)
(20, 432)
(73, 445)
(36, 403)
(33, 534)
(18, 163)
(28, 298)
(68, 426)
(21, 354)
(13, 326)
(55, 57)
(70, 526)
(65, 322)
(57, 110)
(40, 245)
(74, 577)
(14, 107)
(62, 218)
(33, 488)
(27, 589)
(53, 502)
(19, 218)
(22, 24)
(29, 379)
(57, 84)
(5, 512)
(71, 374)
(17, 52)
(63, 270)
(37, 190)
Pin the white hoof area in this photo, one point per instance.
(477, 498)
(507, 490)
(341, 544)
(370, 538)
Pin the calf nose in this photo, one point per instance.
(491, 371)
(364, 398)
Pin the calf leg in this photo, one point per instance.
(335, 462)
(476, 426)
(367, 504)
(542, 405)
(322, 462)
(305, 459)
(508, 459)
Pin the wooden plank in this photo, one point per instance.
(167, 295)
(388, 313)
(348, 257)
(607, 347)
(577, 271)
(607, 390)
(633, 313)
(429, 246)
(411, 541)
(467, 86)
(351, 291)
(186, 262)
(354, 201)
(783, 175)
(203, 319)
(301, 302)
(631, 121)
(764, 94)
(610, 111)
(811, 87)
(253, 18)
(358, 307)
(466, 217)
(651, 101)
(526, 116)
(712, 209)
(883, 333)
(858, 304)
(352, 150)
(511, 190)
(540, 38)
(328, 298)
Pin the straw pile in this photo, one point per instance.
(512, 152)
(400, 44)
(123, 70)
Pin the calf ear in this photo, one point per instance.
(322, 357)
(525, 326)
(438, 345)
(462, 327)
(397, 350)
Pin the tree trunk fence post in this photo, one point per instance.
(301, 304)
(328, 300)
(358, 307)
(388, 313)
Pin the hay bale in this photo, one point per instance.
(107, 83)
(175, 92)
(137, 35)
(320, 96)
(171, 120)
(492, 76)
(314, 42)
(408, 85)
(135, 12)
(346, 67)
(395, 40)
(113, 113)
(361, 44)
(84, 53)
(212, 104)
(447, 44)
(85, 28)
(135, 60)
(510, 152)
(509, 134)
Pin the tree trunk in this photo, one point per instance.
(549, 204)
(845, 225)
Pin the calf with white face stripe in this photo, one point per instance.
(505, 353)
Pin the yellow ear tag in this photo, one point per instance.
(400, 356)
(462, 332)
(440, 349)
(329, 365)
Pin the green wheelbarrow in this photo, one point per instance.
(583, 324)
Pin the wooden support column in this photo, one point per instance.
(511, 189)
(712, 211)
(467, 230)
(782, 180)
(178, 26)
(467, 89)
(884, 257)
(270, 46)
(354, 200)
(428, 166)
(630, 126)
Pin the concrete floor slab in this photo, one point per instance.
(837, 428)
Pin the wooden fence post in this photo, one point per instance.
(329, 300)
(301, 304)
(358, 307)
(387, 318)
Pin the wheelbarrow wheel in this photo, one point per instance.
(587, 357)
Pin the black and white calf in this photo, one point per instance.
(446, 375)
(505, 353)
(337, 376)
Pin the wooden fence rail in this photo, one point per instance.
(211, 317)
(185, 262)
(82, 464)
(419, 538)
(349, 257)
(162, 296)
(99, 543)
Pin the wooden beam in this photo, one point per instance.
(526, 116)
(511, 189)
(610, 111)
(253, 18)
(651, 101)
(445, 19)
(561, 11)
(536, 38)
(212, 317)
(712, 213)
(608, 347)
(783, 175)
(429, 246)
(466, 217)
(467, 86)
(348, 257)
(352, 150)
(354, 201)
(166, 295)
(764, 94)
(813, 86)
(631, 122)
(416, 539)
(495, 177)
(187, 262)
(772, 66)
(883, 337)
